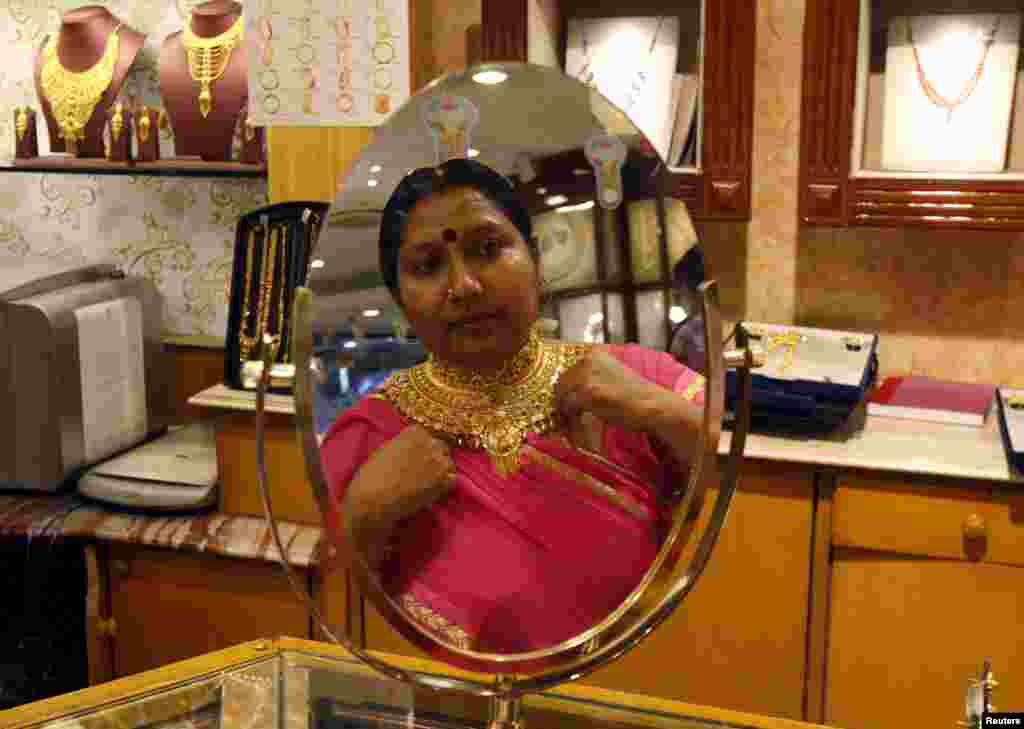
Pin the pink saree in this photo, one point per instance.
(581, 531)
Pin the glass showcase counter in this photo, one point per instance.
(298, 684)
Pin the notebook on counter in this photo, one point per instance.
(176, 471)
(915, 397)
(1011, 423)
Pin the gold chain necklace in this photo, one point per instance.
(73, 95)
(208, 58)
(932, 94)
(491, 413)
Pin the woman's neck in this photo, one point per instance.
(83, 36)
(214, 18)
(505, 372)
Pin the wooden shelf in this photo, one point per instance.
(163, 168)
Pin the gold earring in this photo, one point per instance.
(21, 122)
(144, 124)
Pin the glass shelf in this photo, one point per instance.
(163, 168)
(299, 684)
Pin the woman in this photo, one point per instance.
(460, 479)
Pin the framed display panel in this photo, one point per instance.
(909, 114)
(537, 31)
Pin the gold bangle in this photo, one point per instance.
(381, 45)
(298, 53)
(271, 103)
(270, 74)
(382, 79)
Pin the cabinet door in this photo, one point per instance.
(738, 640)
(927, 583)
(168, 606)
(907, 634)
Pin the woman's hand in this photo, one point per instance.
(410, 472)
(601, 385)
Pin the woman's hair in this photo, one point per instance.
(426, 181)
(689, 271)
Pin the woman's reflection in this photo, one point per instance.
(460, 479)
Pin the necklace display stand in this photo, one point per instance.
(81, 43)
(949, 87)
(208, 137)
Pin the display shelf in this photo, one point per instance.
(837, 186)
(163, 168)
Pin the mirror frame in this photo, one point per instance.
(664, 587)
(721, 190)
(828, 194)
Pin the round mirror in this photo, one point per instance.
(505, 454)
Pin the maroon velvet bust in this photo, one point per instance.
(81, 43)
(209, 137)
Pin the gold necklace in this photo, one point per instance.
(493, 413)
(247, 342)
(208, 58)
(931, 93)
(269, 266)
(73, 95)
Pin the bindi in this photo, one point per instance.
(449, 235)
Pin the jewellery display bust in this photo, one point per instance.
(209, 136)
(70, 73)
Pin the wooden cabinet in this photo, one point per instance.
(738, 640)
(747, 612)
(165, 606)
(833, 192)
(927, 582)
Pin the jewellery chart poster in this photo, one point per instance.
(326, 62)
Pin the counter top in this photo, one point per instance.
(894, 444)
(68, 516)
(867, 441)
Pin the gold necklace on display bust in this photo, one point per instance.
(208, 58)
(73, 95)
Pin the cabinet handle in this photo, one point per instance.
(106, 627)
(975, 527)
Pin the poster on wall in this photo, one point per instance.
(338, 63)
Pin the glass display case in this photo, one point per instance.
(909, 114)
(298, 684)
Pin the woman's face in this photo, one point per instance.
(467, 281)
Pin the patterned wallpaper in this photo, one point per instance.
(178, 232)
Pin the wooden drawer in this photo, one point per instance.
(929, 517)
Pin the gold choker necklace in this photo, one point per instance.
(208, 58)
(73, 95)
(493, 413)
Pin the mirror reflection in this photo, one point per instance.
(499, 451)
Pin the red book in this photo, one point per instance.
(925, 398)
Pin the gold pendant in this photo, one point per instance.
(117, 121)
(205, 100)
(144, 124)
(502, 441)
(21, 122)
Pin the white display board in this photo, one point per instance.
(339, 63)
(966, 63)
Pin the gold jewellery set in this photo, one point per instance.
(208, 58)
(73, 95)
(494, 413)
